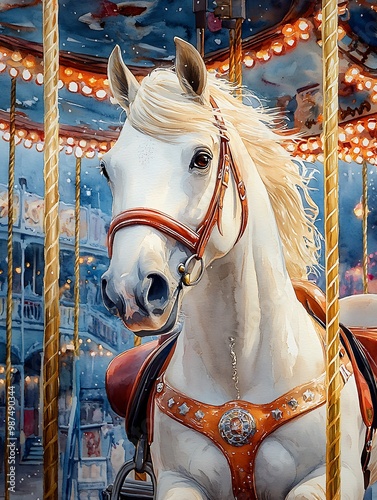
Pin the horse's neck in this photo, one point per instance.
(247, 295)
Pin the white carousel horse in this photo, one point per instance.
(249, 357)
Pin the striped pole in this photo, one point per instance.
(76, 344)
(9, 393)
(330, 140)
(51, 251)
(235, 52)
(238, 53)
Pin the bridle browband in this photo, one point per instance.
(195, 240)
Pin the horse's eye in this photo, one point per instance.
(103, 171)
(201, 160)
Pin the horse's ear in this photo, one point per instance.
(190, 68)
(123, 84)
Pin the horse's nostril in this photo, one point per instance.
(109, 304)
(158, 293)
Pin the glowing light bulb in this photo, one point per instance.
(26, 75)
(86, 90)
(101, 94)
(16, 56)
(73, 87)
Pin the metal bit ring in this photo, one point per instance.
(183, 269)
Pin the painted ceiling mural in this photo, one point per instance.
(282, 66)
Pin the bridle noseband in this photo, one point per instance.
(195, 240)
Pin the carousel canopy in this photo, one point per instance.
(281, 58)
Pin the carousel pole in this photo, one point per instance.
(232, 55)
(199, 8)
(51, 251)
(330, 140)
(232, 13)
(9, 390)
(76, 344)
(365, 226)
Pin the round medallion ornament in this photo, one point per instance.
(236, 426)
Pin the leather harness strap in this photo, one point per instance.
(224, 422)
(194, 240)
(140, 412)
(228, 425)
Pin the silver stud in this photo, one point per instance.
(183, 409)
(159, 387)
(293, 403)
(308, 396)
(171, 402)
(277, 414)
(199, 415)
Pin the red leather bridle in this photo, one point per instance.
(194, 240)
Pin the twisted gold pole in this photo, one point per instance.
(76, 343)
(238, 53)
(51, 251)
(9, 414)
(330, 140)
(365, 226)
(235, 54)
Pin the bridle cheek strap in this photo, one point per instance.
(195, 240)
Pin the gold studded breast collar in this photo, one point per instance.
(239, 427)
(235, 424)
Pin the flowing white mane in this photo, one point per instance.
(161, 109)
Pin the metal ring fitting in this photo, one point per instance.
(183, 269)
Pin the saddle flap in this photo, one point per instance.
(121, 374)
(368, 338)
(137, 408)
(129, 380)
(360, 344)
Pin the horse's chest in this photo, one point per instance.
(249, 438)
(287, 456)
(282, 460)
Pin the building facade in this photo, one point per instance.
(91, 437)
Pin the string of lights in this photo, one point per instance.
(357, 138)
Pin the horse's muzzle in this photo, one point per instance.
(147, 306)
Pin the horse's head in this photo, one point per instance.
(168, 173)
